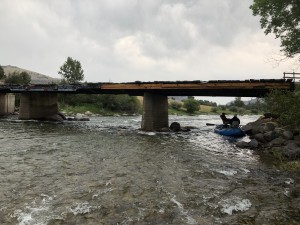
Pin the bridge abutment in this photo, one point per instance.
(38, 106)
(7, 104)
(155, 112)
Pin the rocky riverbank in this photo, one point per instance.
(268, 136)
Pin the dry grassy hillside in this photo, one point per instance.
(36, 78)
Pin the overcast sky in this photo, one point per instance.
(146, 40)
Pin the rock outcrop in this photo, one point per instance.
(267, 135)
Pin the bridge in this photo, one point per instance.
(40, 101)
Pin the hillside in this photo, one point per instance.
(36, 78)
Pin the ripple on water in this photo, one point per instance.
(104, 171)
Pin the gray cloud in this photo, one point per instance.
(137, 40)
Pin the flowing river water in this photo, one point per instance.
(107, 171)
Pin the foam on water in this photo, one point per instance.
(234, 204)
(229, 172)
(147, 133)
(37, 213)
(289, 181)
(81, 208)
(184, 212)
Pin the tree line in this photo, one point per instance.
(15, 77)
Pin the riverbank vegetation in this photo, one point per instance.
(285, 105)
(192, 106)
(106, 105)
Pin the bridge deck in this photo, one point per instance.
(234, 88)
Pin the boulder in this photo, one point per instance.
(297, 138)
(248, 128)
(78, 116)
(288, 135)
(62, 115)
(252, 128)
(270, 126)
(175, 126)
(269, 136)
(259, 137)
(81, 117)
(253, 144)
(88, 113)
(291, 150)
(242, 144)
(276, 142)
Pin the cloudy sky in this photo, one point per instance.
(146, 40)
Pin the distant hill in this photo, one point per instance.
(36, 78)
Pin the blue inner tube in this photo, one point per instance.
(229, 131)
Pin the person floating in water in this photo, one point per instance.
(224, 119)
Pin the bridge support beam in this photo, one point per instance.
(7, 104)
(40, 106)
(155, 112)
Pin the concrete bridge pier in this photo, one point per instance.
(38, 106)
(155, 112)
(7, 104)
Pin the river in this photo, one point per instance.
(107, 171)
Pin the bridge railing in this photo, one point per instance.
(294, 76)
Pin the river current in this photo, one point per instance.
(107, 171)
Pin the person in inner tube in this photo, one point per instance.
(235, 121)
(225, 120)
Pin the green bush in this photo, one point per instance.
(223, 107)
(175, 105)
(286, 105)
(233, 109)
(214, 109)
(191, 105)
(114, 103)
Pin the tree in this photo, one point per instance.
(238, 102)
(2, 74)
(191, 105)
(18, 78)
(71, 71)
(285, 104)
(283, 19)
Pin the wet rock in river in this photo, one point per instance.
(242, 144)
(81, 117)
(266, 135)
(259, 137)
(175, 126)
(253, 144)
